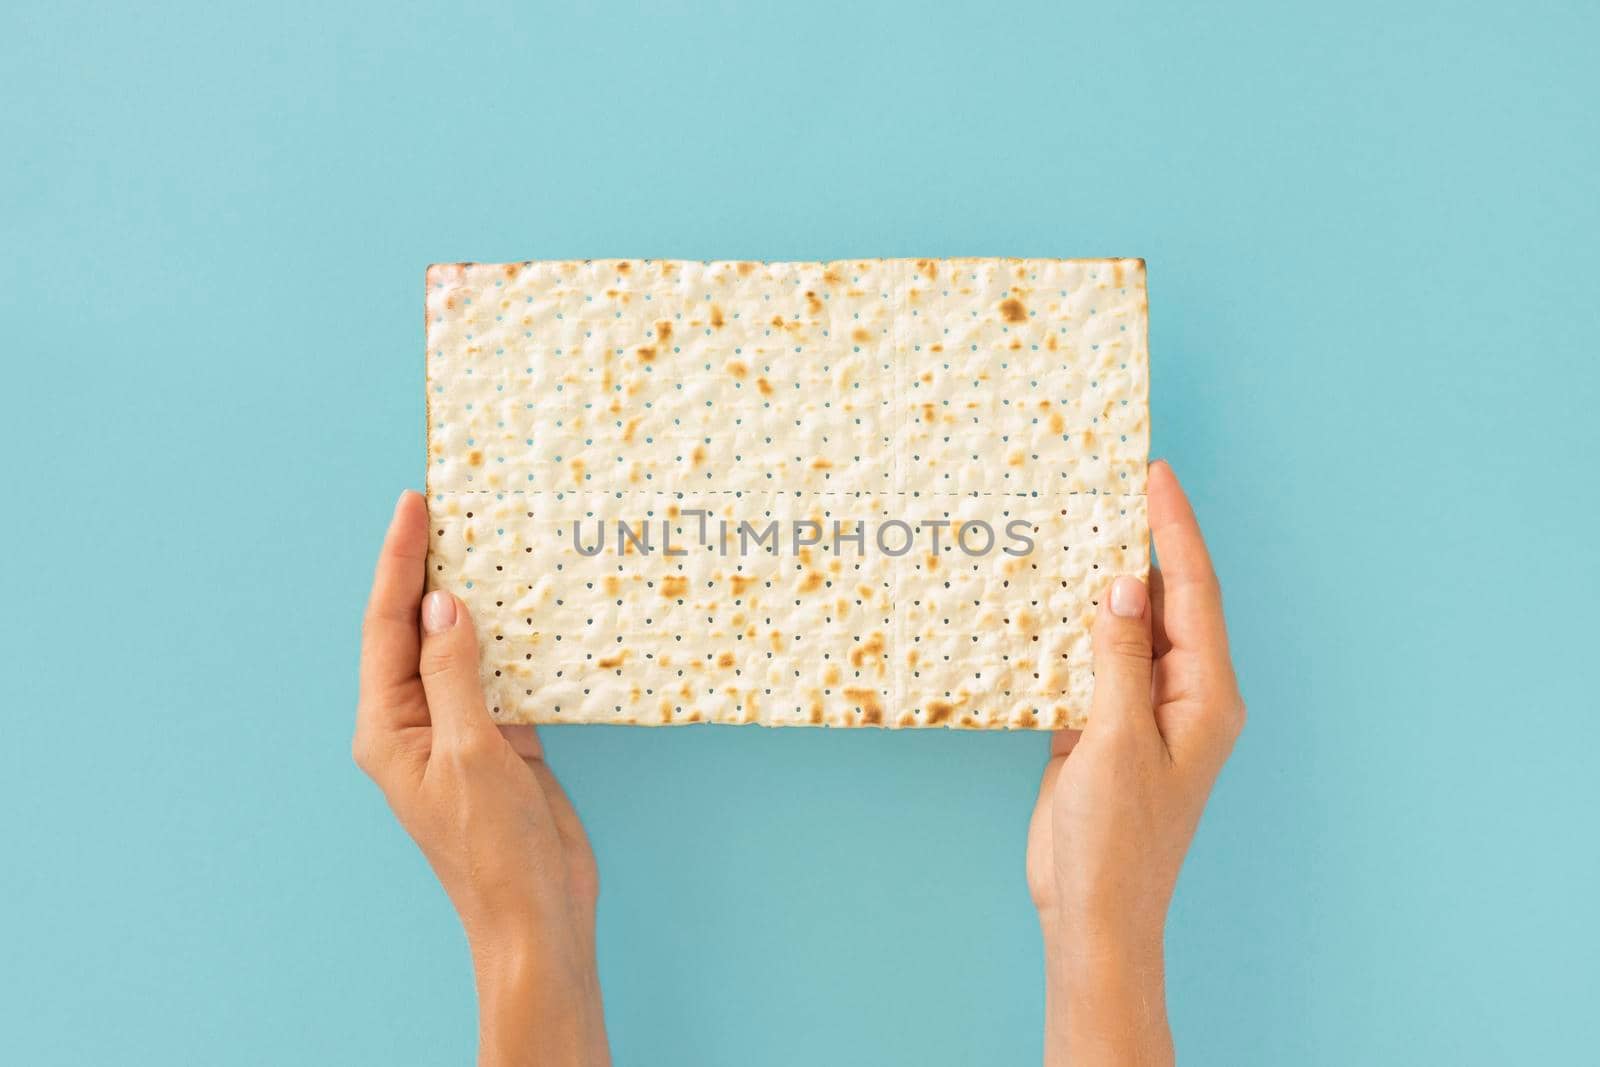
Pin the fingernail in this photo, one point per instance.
(1127, 598)
(438, 611)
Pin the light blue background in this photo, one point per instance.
(1372, 237)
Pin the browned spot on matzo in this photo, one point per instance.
(871, 648)
(867, 701)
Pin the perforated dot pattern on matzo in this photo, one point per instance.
(863, 493)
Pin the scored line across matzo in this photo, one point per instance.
(860, 493)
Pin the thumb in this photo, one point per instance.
(449, 669)
(1122, 659)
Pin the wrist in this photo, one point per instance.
(512, 945)
(537, 1003)
(1105, 1000)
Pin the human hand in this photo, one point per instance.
(1121, 799)
(484, 808)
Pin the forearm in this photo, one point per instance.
(532, 1013)
(1105, 1004)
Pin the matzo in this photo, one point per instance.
(863, 493)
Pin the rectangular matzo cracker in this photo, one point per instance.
(862, 493)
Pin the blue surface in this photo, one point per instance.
(1372, 236)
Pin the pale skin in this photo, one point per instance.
(1117, 808)
(484, 808)
(1121, 799)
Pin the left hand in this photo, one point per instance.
(488, 814)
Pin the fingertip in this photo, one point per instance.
(448, 665)
(1123, 656)
(1129, 598)
(1163, 484)
(407, 537)
(1174, 529)
(440, 611)
(409, 506)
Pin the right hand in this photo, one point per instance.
(1121, 799)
